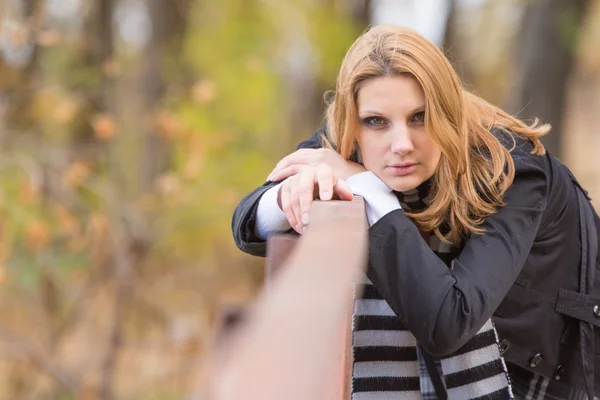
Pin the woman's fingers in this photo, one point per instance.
(299, 191)
(298, 158)
(281, 174)
(293, 163)
(295, 200)
(325, 179)
(342, 190)
(286, 203)
(306, 194)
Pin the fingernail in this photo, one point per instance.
(298, 228)
(304, 229)
(326, 195)
(305, 218)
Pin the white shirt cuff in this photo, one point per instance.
(269, 217)
(379, 197)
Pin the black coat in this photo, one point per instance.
(526, 272)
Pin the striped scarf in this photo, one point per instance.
(389, 363)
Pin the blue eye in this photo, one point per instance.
(374, 122)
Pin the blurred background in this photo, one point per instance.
(130, 129)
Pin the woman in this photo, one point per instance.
(483, 247)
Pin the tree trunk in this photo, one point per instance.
(361, 12)
(22, 88)
(450, 39)
(169, 20)
(543, 63)
(452, 44)
(97, 51)
(304, 89)
(581, 116)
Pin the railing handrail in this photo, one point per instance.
(295, 342)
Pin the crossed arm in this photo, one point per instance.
(443, 308)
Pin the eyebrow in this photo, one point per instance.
(367, 111)
(418, 109)
(414, 111)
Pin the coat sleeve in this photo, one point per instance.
(445, 307)
(244, 216)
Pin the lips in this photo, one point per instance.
(402, 165)
(402, 169)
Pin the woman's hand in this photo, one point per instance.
(291, 164)
(297, 192)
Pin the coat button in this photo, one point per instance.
(504, 345)
(597, 310)
(535, 360)
(559, 370)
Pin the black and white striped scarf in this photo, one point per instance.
(389, 363)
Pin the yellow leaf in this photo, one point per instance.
(28, 192)
(69, 224)
(168, 184)
(168, 125)
(76, 174)
(98, 225)
(104, 126)
(48, 37)
(204, 92)
(65, 111)
(254, 64)
(37, 235)
(222, 139)
(111, 68)
(193, 166)
(44, 104)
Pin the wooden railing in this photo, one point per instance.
(294, 343)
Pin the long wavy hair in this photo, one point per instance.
(475, 169)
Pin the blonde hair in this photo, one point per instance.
(475, 169)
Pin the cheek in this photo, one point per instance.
(370, 151)
(435, 159)
(373, 156)
(431, 152)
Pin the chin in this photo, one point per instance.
(403, 184)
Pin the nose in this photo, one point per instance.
(401, 141)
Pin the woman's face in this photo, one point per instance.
(391, 136)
